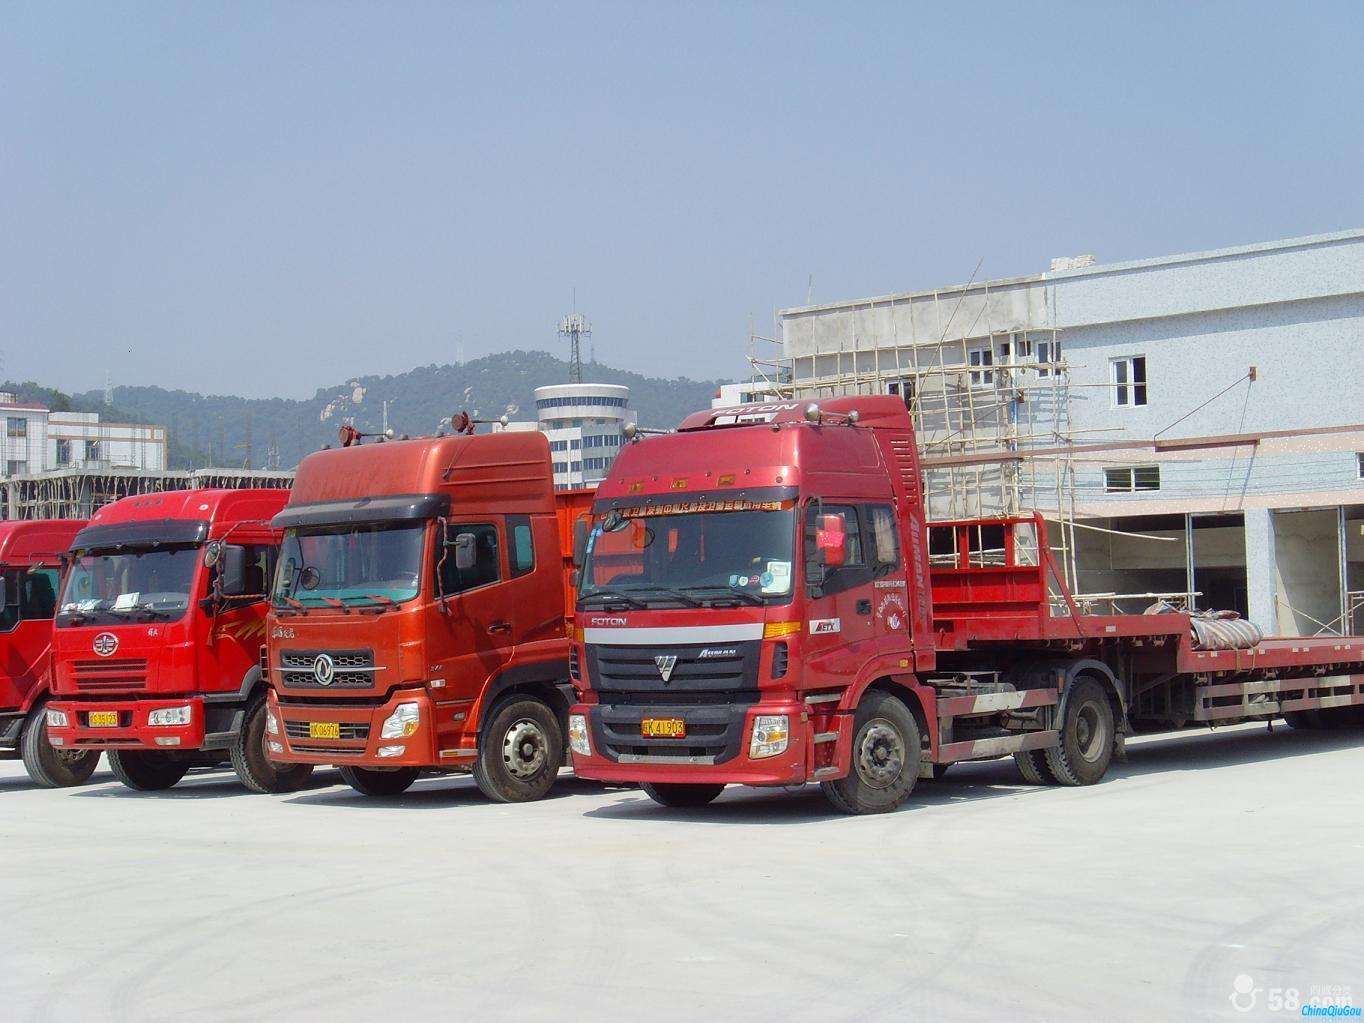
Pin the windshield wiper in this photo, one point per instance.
(737, 594)
(669, 594)
(613, 595)
(144, 608)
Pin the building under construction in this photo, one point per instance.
(78, 493)
(1185, 423)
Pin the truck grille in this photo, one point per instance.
(711, 693)
(110, 673)
(349, 732)
(353, 669)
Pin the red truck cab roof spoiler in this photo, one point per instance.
(874, 410)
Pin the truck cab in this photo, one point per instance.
(30, 572)
(160, 633)
(418, 618)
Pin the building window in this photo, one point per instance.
(981, 358)
(575, 467)
(16, 426)
(92, 451)
(1360, 459)
(17, 467)
(1131, 479)
(1048, 354)
(904, 389)
(1129, 381)
(63, 451)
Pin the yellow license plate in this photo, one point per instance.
(103, 719)
(663, 728)
(324, 729)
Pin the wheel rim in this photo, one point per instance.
(70, 757)
(1089, 731)
(524, 749)
(880, 754)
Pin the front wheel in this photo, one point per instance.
(375, 782)
(885, 757)
(1085, 749)
(681, 795)
(147, 770)
(251, 758)
(521, 752)
(48, 766)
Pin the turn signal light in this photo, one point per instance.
(776, 630)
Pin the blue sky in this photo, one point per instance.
(263, 199)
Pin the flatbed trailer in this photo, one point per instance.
(816, 628)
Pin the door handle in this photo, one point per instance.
(500, 627)
(864, 607)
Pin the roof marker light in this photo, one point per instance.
(812, 413)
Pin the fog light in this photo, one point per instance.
(577, 735)
(402, 722)
(56, 718)
(276, 747)
(56, 742)
(271, 725)
(392, 751)
(168, 740)
(169, 716)
(771, 735)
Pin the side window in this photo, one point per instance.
(487, 566)
(853, 556)
(885, 544)
(522, 544)
(39, 593)
(9, 613)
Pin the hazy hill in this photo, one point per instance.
(229, 430)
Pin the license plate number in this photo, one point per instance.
(103, 719)
(663, 728)
(324, 730)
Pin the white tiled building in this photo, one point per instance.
(584, 424)
(38, 440)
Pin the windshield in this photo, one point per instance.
(117, 585)
(693, 558)
(350, 564)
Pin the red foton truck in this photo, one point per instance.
(30, 563)
(160, 634)
(762, 603)
(419, 614)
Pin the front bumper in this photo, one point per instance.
(663, 766)
(360, 740)
(133, 730)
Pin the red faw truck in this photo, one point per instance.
(160, 634)
(418, 620)
(761, 602)
(30, 563)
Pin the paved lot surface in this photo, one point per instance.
(1204, 858)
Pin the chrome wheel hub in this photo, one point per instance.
(880, 754)
(524, 749)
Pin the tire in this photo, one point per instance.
(1086, 747)
(1032, 765)
(251, 760)
(48, 766)
(520, 753)
(681, 796)
(376, 782)
(1303, 720)
(147, 770)
(886, 752)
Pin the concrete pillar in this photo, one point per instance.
(1261, 570)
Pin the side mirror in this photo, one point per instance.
(465, 556)
(4, 591)
(580, 533)
(232, 571)
(831, 540)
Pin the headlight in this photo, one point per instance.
(271, 725)
(402, 722)
(392, 751)
(771, 735)
(56, 718)
(577, 735)
(170, 716)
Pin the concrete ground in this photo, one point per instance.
(1206, 857)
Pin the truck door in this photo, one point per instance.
(26, 627)
(476, 638)
(839, 629)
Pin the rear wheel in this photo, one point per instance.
(147, 770)
(885, 758)
(522, 750)
(377, 782)
(682, 795)
(48, 766)
(1032, 765)
(251, 757)
(1086, 747)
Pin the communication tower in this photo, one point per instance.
(573, 328)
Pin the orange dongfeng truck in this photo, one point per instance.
(763, 603)
(159, 637)
(418, 620)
